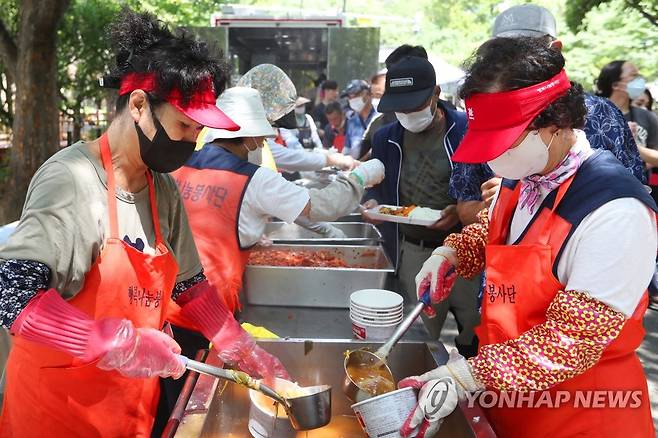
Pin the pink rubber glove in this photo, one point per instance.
(438, 274)
(203, 305)
(49, 320)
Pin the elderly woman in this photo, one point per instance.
(568, 256)
(103, 253)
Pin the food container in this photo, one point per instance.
(356, 233)
(317, 286)
(385, 414)
(267, 420)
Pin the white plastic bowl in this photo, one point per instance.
(376, 320)
(371, 331)
(376, 311)
(386, 413)
(376, 299)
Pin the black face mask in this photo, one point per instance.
(163, 154)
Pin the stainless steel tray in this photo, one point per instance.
(357, 233)
(317, 287)
(215, 409)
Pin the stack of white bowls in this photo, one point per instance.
(375, 313)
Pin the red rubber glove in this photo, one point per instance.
(143, 352)
(203, 305)
(438, 274)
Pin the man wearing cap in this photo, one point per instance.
(567, 255)
(605, 126)
(360, 101)
(417, 152)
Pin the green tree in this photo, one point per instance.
(576, 10)
(29, 59)
(606, 35)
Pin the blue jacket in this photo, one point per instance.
(387, 146)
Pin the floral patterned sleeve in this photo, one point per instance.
(20, 280)
(470, 245)
(577, 330)
(466, 179)
(606, 128)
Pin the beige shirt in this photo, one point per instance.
(65, 220)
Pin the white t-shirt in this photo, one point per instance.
(611, 254)
(268, 194)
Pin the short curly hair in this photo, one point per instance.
(142, 43)
(506, 64)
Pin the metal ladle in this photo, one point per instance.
(309, 411)
(364, 358)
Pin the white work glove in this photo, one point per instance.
(325, 229)
(438, 273)
(369, 173)
(440, 391)
(343, 162)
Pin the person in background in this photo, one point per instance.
(474, 185)
(417, 151)
(226, 230)
(360, 101)
(334, 131)
(328, 94)
(103, 254)
(645, 100)
(377, 87)
(306, 134)
(620, 81)
(279, 97)
(568, 247)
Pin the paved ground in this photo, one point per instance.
(648, 354)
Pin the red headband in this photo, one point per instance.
(200, 107)
(496, 120)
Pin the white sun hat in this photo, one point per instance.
(242, 105)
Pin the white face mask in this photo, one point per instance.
(357, 103)
(255, 156)
(375, 102)
(418, 121)
(528, 158)
(636, 87)
(300, 110)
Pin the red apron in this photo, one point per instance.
(520, 286)
(212, 199)
(49, 393)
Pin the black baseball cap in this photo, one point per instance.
(409, 83)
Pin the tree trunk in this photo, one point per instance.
(36, 120)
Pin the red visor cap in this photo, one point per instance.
(497, 120)
(200, 107)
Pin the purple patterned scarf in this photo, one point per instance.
(533, 185)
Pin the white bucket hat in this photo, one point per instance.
(243, 105)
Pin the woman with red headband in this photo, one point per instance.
(103, 255)
(568, 248)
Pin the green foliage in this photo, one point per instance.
(576, 10)
(607, 35)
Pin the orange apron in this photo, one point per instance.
(520, 286)
(212, 199)
(49, 393)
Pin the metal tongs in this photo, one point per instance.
(306, 412)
